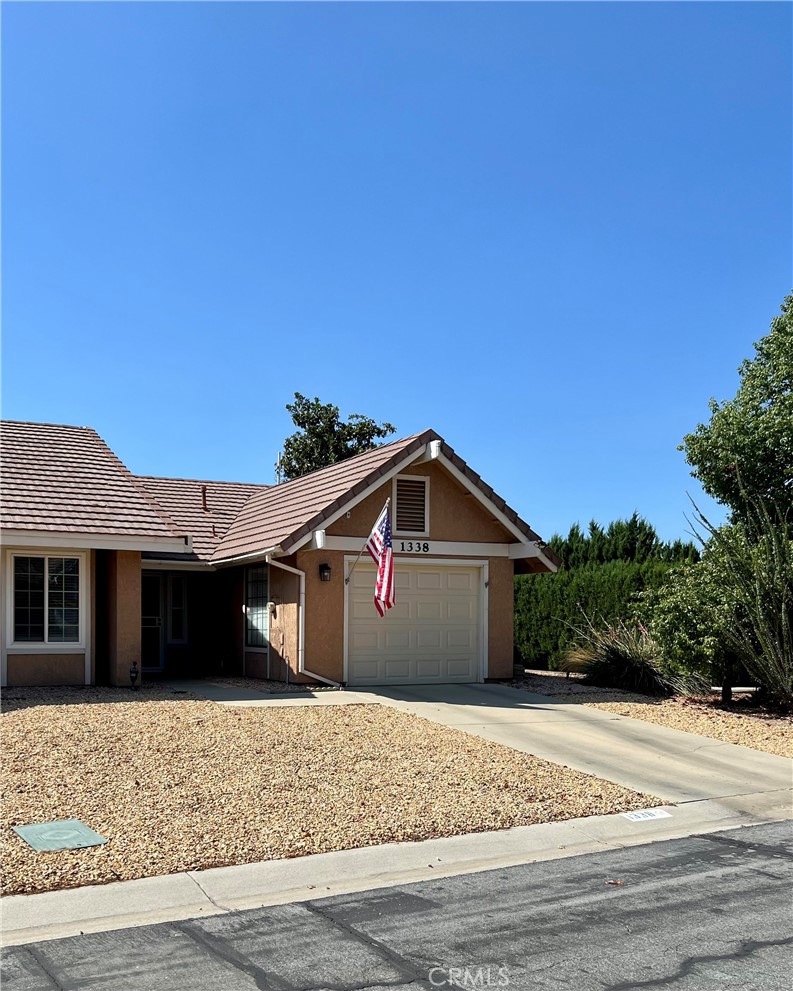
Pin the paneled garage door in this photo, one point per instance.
(432, 634)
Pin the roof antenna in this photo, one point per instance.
(278, 470)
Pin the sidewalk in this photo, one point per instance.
(709, 786)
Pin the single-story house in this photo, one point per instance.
(102, 568)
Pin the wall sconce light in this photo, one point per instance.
(324, 572)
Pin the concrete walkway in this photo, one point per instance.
(703, 786)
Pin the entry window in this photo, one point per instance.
(411, 505)
(257, 616)
(46, 599)
(177, 609)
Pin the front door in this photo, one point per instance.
(152, 636)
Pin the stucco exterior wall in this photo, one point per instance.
(124, 603)
(46, 669)
(500, 626)
(324, 613)
(284, 624)
(455, 514)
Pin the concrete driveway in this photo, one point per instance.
(675, 766)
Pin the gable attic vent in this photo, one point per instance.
(411, 505)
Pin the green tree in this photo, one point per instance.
(323, 438)
(748, 442)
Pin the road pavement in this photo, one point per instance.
(702, 913)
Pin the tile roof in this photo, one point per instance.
(183, 500)
(65, 479)
(285, 513)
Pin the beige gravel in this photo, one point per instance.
(177, 783)
(704, 716)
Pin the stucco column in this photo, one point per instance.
(124, 619)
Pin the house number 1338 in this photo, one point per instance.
(414, 545)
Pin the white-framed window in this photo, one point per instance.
(177, 609)
(257, 615)
(411, 500)
(47, 599)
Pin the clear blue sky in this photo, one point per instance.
(549, 231)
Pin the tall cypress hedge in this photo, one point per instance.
(603, 572)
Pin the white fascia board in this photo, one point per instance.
(154, 564)
(432, 450)
(487, 503)
(517, 551)
(380, 480)
(251, 558)
(455, 548)
(95, 541)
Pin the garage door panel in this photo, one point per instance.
(397, 669)
(430, 669)
(460, 581)
(460, 667)
(461, 611)
(363, 640)
(429, 609)
(460, 638)
(433, 633)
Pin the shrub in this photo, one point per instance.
(758, 553)
(625, 656)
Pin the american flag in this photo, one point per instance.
(379, 546)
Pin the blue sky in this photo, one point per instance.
(549, 231)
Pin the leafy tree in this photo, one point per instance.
(690, 614)
(324, 439)
(748, 442)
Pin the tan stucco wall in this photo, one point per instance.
(500, 625)
(455, 514)
(324, 613)
(284, 592)
(124, 574)
(46, 669)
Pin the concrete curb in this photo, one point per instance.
(127, 904)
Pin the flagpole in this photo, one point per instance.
(349, 576)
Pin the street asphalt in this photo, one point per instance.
(703, 912)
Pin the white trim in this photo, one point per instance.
(412, 533)
(491, 506)
(70, 648)
(301, 625)
(251, 558)
(450, 547)
(95, 541)
(484, 602)
(432, 451)
(154, 564)
(351, 504)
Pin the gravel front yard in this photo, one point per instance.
(703, 716)
(177, 783)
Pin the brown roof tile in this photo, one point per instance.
(183, 500)
(65, 479)
(285, 513)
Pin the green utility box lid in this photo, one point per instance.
(64, 834)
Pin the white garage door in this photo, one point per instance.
(432, 634)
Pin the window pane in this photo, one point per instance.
(29, 599)
(257, 618)
(63, 583)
